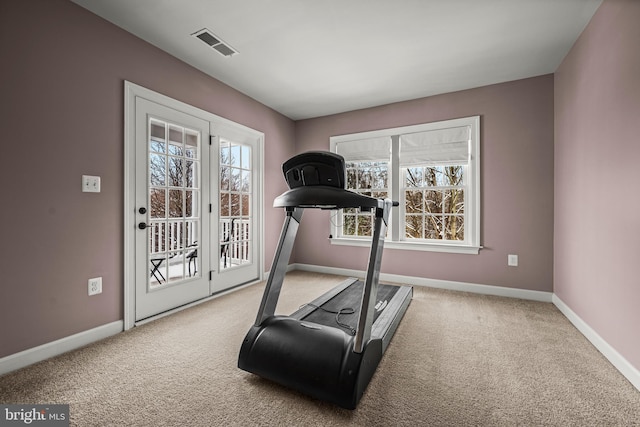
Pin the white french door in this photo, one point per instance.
(236, 189)
(193, 204)
(172, 244)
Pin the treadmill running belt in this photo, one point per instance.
(350, 298)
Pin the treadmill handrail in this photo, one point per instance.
(325, 197)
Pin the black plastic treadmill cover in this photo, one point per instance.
(325, 197)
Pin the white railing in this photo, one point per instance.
(171, 236)
(235, 241)
(173, 250)
(179, 235)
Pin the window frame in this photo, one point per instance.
(395, 234)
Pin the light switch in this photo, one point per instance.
(90, 184)
(512, 260)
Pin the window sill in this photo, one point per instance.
(411, 246)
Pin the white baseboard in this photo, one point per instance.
(290, 267)
(434, 283)
(617, 360)
(42, 352)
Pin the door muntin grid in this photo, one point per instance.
(235, 207)
(174, 202)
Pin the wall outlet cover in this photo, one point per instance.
(95, 286)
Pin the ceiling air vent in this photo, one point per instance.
(215, 42)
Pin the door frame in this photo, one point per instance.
(131, 91)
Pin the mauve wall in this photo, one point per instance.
(597, 172)
(517, 185)
(61, 114)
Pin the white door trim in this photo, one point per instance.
(131, 91)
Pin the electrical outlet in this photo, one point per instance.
(90, 184)
(512, 260)
(95, 286)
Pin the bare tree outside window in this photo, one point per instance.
(434, 202)
(370, 179)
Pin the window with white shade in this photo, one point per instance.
(432, 170)
(367, 164)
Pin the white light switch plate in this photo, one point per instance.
(90, 184)
(512, 260)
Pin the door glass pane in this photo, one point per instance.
(246, 181)
(190, 203)
(235, 180)
(157, 238)
(224, 204)
(235, 205)
(174, 203)
(235, 155)
(157, 202)
(175, 172)
(158, 136)
(191, 144)
(157, 169)
(176, 140)
(246, 157)
(191, 174)
(176, 206)
(236, 237)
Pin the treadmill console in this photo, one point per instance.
(315, 168)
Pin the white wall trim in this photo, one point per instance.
(290, 267)
(617, 360)
(434, 283)
(45, 351)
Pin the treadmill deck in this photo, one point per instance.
(392, 302)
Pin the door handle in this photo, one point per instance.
(142, 225)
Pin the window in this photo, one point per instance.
(432, 170)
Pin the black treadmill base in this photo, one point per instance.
(316, 360)
(307, 351)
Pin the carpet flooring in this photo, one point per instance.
(457, 359)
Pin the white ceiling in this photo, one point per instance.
(310, 58)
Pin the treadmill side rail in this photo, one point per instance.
(280, 264)
(363, 331)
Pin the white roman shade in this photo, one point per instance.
(372, 149)
(436, 147)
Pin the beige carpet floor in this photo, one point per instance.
(457, 359)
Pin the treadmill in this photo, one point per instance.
(329, 348)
